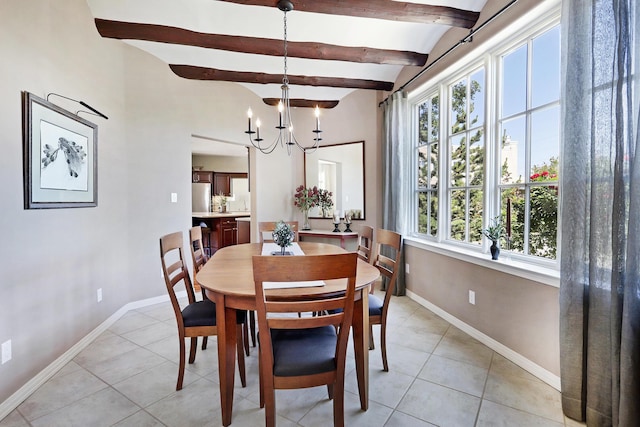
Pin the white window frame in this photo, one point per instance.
(487, 55)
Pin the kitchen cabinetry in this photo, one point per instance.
(222, 183)
(221, 229)
(227, 232)
(202, 176)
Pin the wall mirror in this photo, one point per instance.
(338, 168)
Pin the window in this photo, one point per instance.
(505, 163)
(427, 185)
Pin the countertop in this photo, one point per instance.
(212, 215)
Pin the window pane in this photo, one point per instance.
(458, 161)
(476, 158)
(543, 221)
(514, 82)
(475, 216)
(423, 166)
(423, 212)
(545, 68)
(458, 101)
(458, 215)
(512, 151)
(545, 140)
(512, 208)
(433, 168)
(435, 119)
(433, 219)
(423, 122)
(476, 93)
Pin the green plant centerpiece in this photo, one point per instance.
(494, 232)
(283, 236)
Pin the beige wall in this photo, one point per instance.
(53, 261)
(221, 163)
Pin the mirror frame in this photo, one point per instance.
(364, 198)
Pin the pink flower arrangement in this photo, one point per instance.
(306, 198)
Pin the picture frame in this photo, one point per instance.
(60, 156)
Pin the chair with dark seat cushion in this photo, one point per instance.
(308, 351)
(388, 242)
(200, 258)
(196, 318)
(365, 243)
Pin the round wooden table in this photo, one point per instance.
(228, 280)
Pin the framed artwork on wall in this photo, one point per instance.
(60, 156)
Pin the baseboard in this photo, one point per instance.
(43, 376)
(526, 364)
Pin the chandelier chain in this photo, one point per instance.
(285, 79)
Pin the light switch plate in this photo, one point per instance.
(174, 197)
(6, 351)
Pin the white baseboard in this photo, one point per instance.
(526, 364)
(43, 376)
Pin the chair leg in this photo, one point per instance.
(383, 345)
(270, 408)
(193, 349)
(181, 365)
(245, 336)
(338, 405)
(252, 326)
(241, 366)
(371, 344)
(330, 391)
(204, 343)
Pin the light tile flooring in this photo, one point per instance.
(438, 376)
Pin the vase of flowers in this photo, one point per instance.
(305, 199)
(325, 202)
(494, 232)
(283, 236)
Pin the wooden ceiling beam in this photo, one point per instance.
(381, 9)
(255, 45)
(204, 73)
(304, 103)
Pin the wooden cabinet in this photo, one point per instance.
(227, 232)
(244, 230)
(222, 183)
(202, 176)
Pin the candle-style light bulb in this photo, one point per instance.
(280, 110)
(258, 128)
(249, 115)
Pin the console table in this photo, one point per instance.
(343, 236)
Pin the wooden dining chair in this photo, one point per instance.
(269, 226)
(200, 258)
(300, 352)
(388, 242)
(196, 318)
(365, 243)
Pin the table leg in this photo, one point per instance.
(361, 346)
(226, 321)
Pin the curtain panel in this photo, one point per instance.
(600, 214)
(395, 163)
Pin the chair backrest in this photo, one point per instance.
(198, 255)
(365, 243)
(389, 243)
(280, 315)
(267, 227)
(175, 271)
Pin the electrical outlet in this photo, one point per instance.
(406, 268)
(174, 197)
(6, 351)
(472, 297)
(99, 294)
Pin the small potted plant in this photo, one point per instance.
(282, 236)
(494, 232)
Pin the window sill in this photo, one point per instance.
(538, 273)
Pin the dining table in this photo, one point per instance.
(227, 279)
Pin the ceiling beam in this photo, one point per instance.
(304, 103)
(381, 9)
(204, 73)
(261, 46)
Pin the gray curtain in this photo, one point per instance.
(600, 209)
(395, 155)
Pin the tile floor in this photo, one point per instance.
(439, 376)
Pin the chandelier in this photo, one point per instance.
(285, 137)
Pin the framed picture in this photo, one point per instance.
(60, 156)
